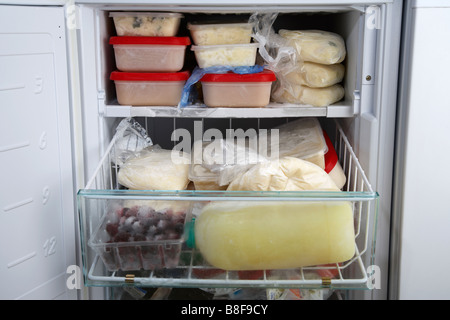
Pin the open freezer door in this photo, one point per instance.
(37, 221)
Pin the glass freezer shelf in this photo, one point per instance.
(273, 110)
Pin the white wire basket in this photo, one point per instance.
(192, 270)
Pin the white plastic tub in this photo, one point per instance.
(237, 90)
(149, 89)
(234, 55)
(220, 33)
(150, 54)
(149, 24)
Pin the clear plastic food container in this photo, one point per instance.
(150, 54)
(141, 235)
(220, 33)
(149, 24)
(234, 55)
(237, 90)
(149, 89)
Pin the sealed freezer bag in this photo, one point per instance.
(273, 49)
(285, 174)
(226, 158)
(316, 75)
(130, 139)
(316, 46)
(298, 94)
(301, 138)
(156, 170)
(275, 235)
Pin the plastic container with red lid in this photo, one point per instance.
(332, 165)
(234, 90)
(149, 89)
(149, 54)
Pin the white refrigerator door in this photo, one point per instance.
(37, 221)
(421, 234)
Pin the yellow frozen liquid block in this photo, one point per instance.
(275, 235)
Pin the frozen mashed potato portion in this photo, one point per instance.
(156, 170)
(315, 45)
(316, 97)
(316, 75)
(226, 55)
(212, 34)
(275, 235)
(286, 174)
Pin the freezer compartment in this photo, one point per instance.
(348, 22)
(191, 268)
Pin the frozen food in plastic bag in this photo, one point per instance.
(316, 97)
(316, 75)
(130, 139)
(204, 179)
(295, 293)
(229, 157)
(301, 138)
(261, 235)
(156, 169)
(285, 54)
(278, 55)
(286, 174)
(316, 45)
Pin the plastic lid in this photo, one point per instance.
(181, 41)
(143, 13)
(225, 46)
(149, 76)
(213, 24)
(263, 76)
(331, 157)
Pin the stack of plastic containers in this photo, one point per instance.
(149, 58)
(229, 46)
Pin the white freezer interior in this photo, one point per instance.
(359, 112)
(366, 114)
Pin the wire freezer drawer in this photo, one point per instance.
(191, 270)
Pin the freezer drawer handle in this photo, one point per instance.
(129, 278)
(326, 281)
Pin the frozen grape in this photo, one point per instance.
(143, 223)
(112, 229)
(122, 237)
(146, 227)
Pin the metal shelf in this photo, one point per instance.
(273, 110)
(204, 276)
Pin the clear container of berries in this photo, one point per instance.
(141, 234)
